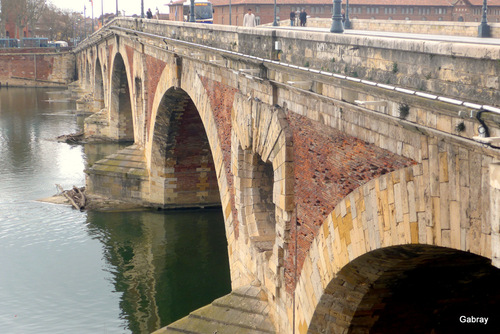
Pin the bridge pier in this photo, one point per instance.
(495, 213)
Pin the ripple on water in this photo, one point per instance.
(23, 224)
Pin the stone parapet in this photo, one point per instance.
(456, 70)
(468, 29)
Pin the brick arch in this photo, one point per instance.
(262, 160)
(215, 114)
(387, 211)
(120, 102)
(182, 170)
(425, 288)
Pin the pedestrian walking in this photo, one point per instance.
(303, 18)
(292, 18)
(249, 19)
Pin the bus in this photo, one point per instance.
(9, 43)
(203, 11)
(34, 42)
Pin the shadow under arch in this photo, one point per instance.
(87, 74)
(120, 104)
(98, 85)
(411, 289)
(182, 167)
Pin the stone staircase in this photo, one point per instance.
(243, 311)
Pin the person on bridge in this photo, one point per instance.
(149, 14)
(303, 18)
(292, 18)
(249, 19)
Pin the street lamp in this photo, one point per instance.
(84, 21)
(229, 12)
(484, 29)
(191, 12)
(142, 8)
(275, 23)
(117, 8)
(337, 26)
(347, 23)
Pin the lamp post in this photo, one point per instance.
(102, 13)
(191, 12)
(484, 29)
(84, 22)
(229, 12)
(142, 8)
(337, 26)
(117, 8)
(347, 23)
(275, 22)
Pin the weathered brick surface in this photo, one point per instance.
(154, 69)
(328, 165)
(130, 57)
(194, 168)
(36, 69)
(221, 99)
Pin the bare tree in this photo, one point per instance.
(61, 25)
(24, 13)
(34, 10)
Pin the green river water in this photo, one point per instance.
(65, 271)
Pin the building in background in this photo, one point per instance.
(423, 10)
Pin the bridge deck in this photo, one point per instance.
(389, 34)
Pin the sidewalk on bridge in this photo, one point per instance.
(439, 38)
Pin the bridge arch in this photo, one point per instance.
(379, 214)
(419, 287)
(182, 167)
(120, 104)
(99, 85)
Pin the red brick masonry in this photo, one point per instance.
(328, 165)
(221, 100)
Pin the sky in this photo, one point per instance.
(130, 6)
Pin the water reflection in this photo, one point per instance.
(166, 264)
(63, 270)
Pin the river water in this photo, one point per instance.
(62, 270)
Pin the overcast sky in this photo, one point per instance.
(130, 6)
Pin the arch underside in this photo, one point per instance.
(182, 167)
(120, 109)
(409, 289)
(98, 85)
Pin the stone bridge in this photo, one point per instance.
(358, 176)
